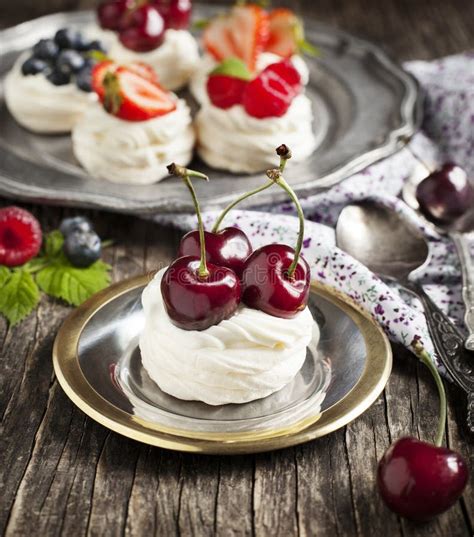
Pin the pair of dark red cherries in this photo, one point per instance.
(216, 270)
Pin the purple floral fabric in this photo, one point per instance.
(447, 134)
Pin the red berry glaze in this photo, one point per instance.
(20, 236)
(194, 302)
(446, 194)
(144, 29)
(418, 480)
(225, 91)
(269, 94)
(229, 247)
(266, 285)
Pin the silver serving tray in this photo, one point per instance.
(365, 106)
(97, 362)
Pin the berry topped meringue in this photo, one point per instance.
(154, 32)
(255, 36)
(135, 129)
(48, 89)
(247, 116)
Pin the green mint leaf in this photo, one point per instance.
(232, 67)
(19, 296)
(53, 244)
(200, 24)
(5, 274)
(306, 47)
(71, 284)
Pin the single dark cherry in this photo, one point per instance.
(228, 247)
(144, 31)
(110, 13)
(176, 13)
(418, 480)
(266, 285)
(446, 194)
(194, 302)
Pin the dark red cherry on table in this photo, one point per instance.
(110, 13)
(418, 480)
(177, 13)
(267, 286)
(144, 29)
(194, 302)
(228, 247)
(446, 194)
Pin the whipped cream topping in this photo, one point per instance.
(174, 60)
(207, 63)
(39, 105)
(134, 152)
(244, 358)
(232, 140)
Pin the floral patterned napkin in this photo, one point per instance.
(447, 134)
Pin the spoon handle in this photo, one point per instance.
(467, 268)
(448, 343)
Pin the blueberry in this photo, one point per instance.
(66, 38)
(84, 79)
(59, 78)
(81, 43)
(76, 223)
(82, 248)
(33, 66)
(96, 45)
(45, 49)
(70, 61)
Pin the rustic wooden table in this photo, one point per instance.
(63, 474)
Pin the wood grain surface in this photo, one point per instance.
(63, 474)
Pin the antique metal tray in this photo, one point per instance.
(365, 105)
(97, 362)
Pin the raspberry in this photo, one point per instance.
(225, 91)
(268, 95)
(20, 236)
(286, 70)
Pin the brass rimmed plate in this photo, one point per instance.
(97, 362)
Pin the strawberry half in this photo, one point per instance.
(286, 70)
(20, 236)
(129, 96)
(285, 32)
(144, 70)
(99, 71)
(241, 34)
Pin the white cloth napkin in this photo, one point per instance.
(447, 134)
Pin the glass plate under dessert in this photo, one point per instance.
(364, 107)
(97, 362)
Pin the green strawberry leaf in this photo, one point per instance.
(5, 274)
(232, 67)
(305, 47)
(71, 284)
(53, 244)
(19, 295)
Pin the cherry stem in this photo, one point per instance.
(425, 358)
(285, 154)
(236, 202)
(185, 174)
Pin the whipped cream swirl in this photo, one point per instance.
(39, 105)
(232, 140)
(134, 152)
(244, 358)
(208, 63)
(174, 60)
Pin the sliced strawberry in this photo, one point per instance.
(225, 91)
(241, 34)
(249, 32)
(144, 70)
(217, 39)
(133, 98)
(268, 95)
(286, 70)
(20, 236)
(285, 29)
(98, 73)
